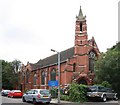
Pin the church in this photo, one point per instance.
(76, 63)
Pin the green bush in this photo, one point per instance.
(106, 84)
(64, 97)
(77, 93)
(54, 92)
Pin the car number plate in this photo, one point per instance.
(45, 96)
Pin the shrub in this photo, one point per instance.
(54, 92)
(77, 93)
(106, 84)
(64, 97)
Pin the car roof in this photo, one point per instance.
(16, 90)
(5, 90)
(96, 86)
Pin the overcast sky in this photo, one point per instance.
(30, 28)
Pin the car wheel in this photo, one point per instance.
(34, 101)
(104, 98)
(23, 99)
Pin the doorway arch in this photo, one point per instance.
(82, 81)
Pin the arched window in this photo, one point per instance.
(43, 78)
(92, 56)
(35, 78)
(53, 75)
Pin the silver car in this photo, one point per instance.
(37, 95)
(101, 93)
(4, 92)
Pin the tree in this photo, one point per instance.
(9, 74)
(107, 68)
(16, 65)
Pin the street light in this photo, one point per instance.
(58, 74)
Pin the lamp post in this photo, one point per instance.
(58, 74)
(23, 76)
(46, 79)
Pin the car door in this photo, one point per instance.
(110, 93)
(30, 95)
(26, 96)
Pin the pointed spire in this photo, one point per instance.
(80, 15)
(80, 12)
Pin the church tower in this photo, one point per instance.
(85, 51)
(80, 32)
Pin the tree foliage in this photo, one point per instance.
(9, 75)
(107, 68)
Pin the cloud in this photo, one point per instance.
(15, 35)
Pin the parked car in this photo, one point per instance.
(15, 93)
(101, 93)
(37, 95)
(4, 92)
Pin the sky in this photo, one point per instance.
(30, 28)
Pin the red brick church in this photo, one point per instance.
(76, 63)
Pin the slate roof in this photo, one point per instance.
(52, 60)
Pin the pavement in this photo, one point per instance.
(119, 102)
(61, 101)
(55, 102)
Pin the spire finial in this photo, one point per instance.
(80, 12)
(80, 15)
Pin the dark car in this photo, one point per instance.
(101, 93)
(5, 92)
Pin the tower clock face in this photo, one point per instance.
(92, 55)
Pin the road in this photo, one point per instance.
(18, 101)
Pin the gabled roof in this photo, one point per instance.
(34, 66)
(52, 60)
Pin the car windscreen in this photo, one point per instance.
(6, 90)
(44, 92)
(92, 89)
